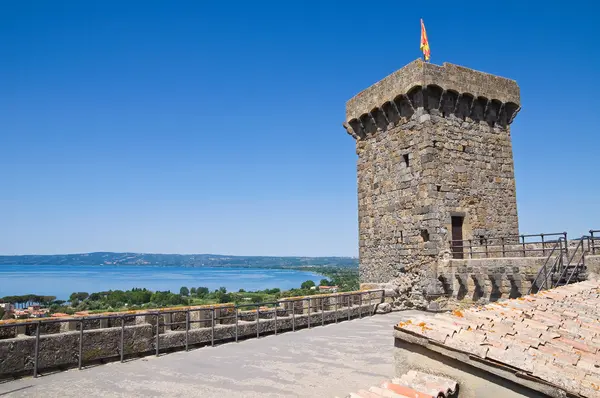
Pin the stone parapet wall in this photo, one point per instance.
(447, 76)
(489, 279)
(61, 350)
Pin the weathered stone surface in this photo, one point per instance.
(432, 142)
(62, 349)
(383, 308)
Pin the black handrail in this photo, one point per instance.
(487, 244)
(570, 260)
(558, 245)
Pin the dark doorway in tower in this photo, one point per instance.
(457, 237)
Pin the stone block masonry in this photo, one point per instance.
(434, 165)
(66, 346)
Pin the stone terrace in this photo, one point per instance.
(320, 362)
(550, 339)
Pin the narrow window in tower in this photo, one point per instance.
(463, 148)
(406, 161)
(438, 188)
(425, 235)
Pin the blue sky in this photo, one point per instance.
(210, 127)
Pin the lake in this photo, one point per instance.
(62, 280)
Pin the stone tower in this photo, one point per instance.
(435, 165)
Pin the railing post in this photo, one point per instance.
(187, 329)
(257, 320)
(123, 338)
(336, 308)
(543, 245)
(470, 248)
(503, 252)
(523, 239)
(360, 311)
(322, 312)
(593, 247)
(309, 312)
(349, 296)
(37, 350)
(212, 327)
(81, 343)
(566, 245)
(236, 323)
(157, 334)
(293, 315)
(275, 321)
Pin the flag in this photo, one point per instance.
(424, 42)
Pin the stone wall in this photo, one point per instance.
(432, 142)
(490, 279)
(60, 348)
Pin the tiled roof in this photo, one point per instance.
(411, 385)
(552, 336)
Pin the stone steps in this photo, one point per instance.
(413, 384)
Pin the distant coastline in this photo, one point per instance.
(180, 260)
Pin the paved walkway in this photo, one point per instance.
(325, 361)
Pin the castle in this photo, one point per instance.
(435, 166)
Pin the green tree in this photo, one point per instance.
(79, 296)
(193, 291)
(202, 292)
(184, 291)
(307, 284)
(325, 282)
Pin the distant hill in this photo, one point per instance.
(186, 260)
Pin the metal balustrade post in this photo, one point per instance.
(187, 329)
(37, 350)
(348, 307)
(486, 247)
(470, 248)
(236, 323)
(309, 313)
(360, 309)
(523, 238)
(212, 327)
(503, 252)
(566, 245)
(80, 343)
(336, 308)
(157, 334)
(123, 338)
(543, 245)
(257, 321)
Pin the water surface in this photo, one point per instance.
(62, 280)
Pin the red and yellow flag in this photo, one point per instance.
(424, 42)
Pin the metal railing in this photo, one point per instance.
(345, 306)
(594, 241)
(535, 245)
(573, 268)
(546, 273)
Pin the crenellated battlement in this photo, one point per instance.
(438, 90)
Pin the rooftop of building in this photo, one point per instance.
(552, 337)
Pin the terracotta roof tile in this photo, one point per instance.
(553, 335)
(413, 384)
